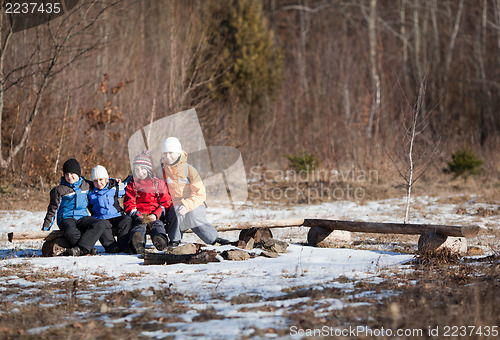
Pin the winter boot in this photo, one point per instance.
(222, 241)
(173, 244)
(137, 244)
(58, 250)
(84, 251)
(75, 251)
(160, 241)
(112, 248)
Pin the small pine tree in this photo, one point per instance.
(464, 164)
(248, 57)
(305, 162)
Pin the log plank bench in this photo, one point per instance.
(432, 236)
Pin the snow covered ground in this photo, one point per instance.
(215, 284)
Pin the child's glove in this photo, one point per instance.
(137, 217)
(149, 219)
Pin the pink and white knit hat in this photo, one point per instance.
(144, 159)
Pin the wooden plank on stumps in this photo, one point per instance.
(393, 228)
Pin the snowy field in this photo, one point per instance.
(264, 282)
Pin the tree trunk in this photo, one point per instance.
(488, 123)
(404, 35)
(375, 77)
(4, 163)
(448, 59)
(59, 148)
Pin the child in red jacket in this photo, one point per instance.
(146, 201)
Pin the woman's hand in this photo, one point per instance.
(183, 210)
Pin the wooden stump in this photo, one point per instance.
(435, 242)
(256, 233)
(55, 247)
(325, 238)
(246, 245)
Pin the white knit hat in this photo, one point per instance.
(99, 172)
(171, 144)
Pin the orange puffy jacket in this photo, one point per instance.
(184, 183)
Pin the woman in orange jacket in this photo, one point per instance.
(188, 194)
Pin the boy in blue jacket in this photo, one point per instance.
(69, 201)
(104, 205)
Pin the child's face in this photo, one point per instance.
(171, 157)
(100, 183)
(140, 172)
(71, 177)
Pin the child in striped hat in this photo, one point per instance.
(146, 201)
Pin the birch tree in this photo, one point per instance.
(413, 163)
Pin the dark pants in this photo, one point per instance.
(171, 222)
(83, 233)
(155, 228)
(119, 226)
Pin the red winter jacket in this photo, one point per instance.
(148, 196)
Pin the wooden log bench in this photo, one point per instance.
(432, 236)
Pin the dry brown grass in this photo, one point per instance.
(64, 309)
(432, 293)
(484, 188)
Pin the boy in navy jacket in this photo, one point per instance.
(69, 201)
(104, 205)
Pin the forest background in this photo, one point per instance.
(338, 80)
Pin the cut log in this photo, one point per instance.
(272, 245)
(394, 228)
(55, 247)
(235, 255)
(185, 249)
(33, 235)
(50, 235)
(202, 257)
(256, 234)
(294, 222)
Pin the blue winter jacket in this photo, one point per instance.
(67, 201)
(103, 204)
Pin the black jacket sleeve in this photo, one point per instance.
(55, 200)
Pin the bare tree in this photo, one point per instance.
(376, 86)
(55, 48)
(414, 164)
